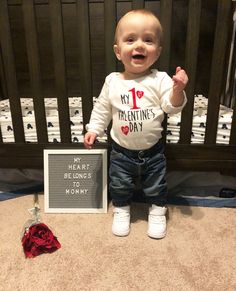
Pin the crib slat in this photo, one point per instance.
(34, 69)
(166, 22)
(194, 14)
(109, 30)
(1, 135)
(10, 73)
(4, 93)
(60, 69)
(232, 140)
(137, 4)
(232, 81)
(85, 59)
(2, 77)
(232, 87)
(217, 69)
(164, 60)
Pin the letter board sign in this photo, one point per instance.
(75, 181)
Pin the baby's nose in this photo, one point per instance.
(139, 44)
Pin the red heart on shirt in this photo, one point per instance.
(139, 94)
(125, 129)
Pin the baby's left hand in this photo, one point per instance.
(180, 80)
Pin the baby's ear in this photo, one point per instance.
(116, 51)
(159, 51)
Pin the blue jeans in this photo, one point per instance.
(148, 167)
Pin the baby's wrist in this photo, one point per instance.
(178, 91)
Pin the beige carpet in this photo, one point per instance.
(198, 253)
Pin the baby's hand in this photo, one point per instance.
(180, 80)
(89, 139)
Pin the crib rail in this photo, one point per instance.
(75, 38)
(179, 157)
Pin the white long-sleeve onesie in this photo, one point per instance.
(136, 108)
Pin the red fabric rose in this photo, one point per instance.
(39, 239)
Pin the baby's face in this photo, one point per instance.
(137, 44)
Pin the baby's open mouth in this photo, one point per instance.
(138, 57)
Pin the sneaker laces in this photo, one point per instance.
(157, 219)
(121, 216)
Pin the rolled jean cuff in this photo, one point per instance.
(120, 203)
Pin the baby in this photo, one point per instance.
(136, 100)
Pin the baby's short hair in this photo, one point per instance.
(143, 12)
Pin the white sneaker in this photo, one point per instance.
(157, 221)
(121, 221)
